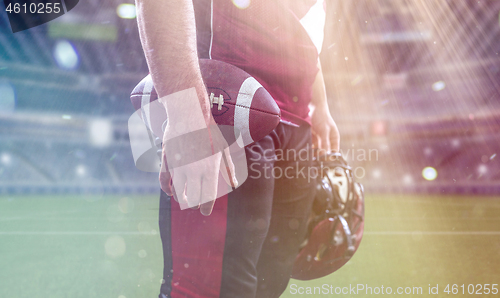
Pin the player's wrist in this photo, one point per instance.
(185, 112)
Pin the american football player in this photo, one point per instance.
(247, 245)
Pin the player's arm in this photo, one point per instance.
(168, 35)
(323, 126)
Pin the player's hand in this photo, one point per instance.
(325, 131)
(193, 154)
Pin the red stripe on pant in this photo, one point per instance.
(197, 250)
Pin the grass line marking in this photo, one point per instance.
(154, 232)
(456, 233)
(71, 233)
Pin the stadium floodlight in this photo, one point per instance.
(429, 173)
(241, 4)
(126, 11)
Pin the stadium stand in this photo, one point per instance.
(415, 89)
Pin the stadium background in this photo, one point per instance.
(414, 87)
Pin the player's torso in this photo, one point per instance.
(266, 39)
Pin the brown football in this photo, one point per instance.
(237, 99)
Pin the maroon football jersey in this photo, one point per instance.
(266, 39)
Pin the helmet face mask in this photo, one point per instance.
(336, 223)
(339, 179)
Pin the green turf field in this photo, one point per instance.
(67, 246)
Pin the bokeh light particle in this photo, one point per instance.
(407, 179)
(379, 128)
(126, 205)
(126, 11)
(115, 246)
(482, 169)
(429, 173)
(142, 253)
(438, 86)
(81, 170)
(65, 55)
(100, 132)
(6, 158)
(144, 227)
(241, 4)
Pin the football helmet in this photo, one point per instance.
(336, 222)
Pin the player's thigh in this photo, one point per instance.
(248, 217)
(292, 200)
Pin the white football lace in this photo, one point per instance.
(218, 100)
